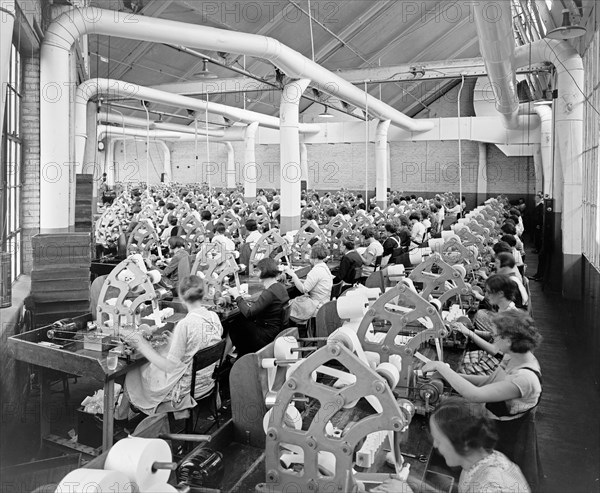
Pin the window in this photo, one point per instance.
(11, 167)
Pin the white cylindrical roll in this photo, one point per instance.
(343, 337)
(350, 307)
(415, 256)
(268, 363)
(371, 294)
(84, 480)
(390, 373)
(135, 457)
(436, 244)
(292, 418)
(395, 270)
(396, 360)
(460, 269)
(283, 348)
(373, 358)
(437, 304)
(154, 276)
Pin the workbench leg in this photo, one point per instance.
(44, 413)
(109, 414)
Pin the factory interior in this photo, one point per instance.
(300, 246)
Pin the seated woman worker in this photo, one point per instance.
(166, 378)
(261, 320)
(510, 394)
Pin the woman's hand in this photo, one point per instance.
(393, 486)
(432, 366)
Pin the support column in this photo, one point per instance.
(545, 149)
(249, 169)
(167, 168)
(110, 162)
(539, 171)
(230, 170)
(304, 164)
(290, 169)
(482, 188)
(381, 163)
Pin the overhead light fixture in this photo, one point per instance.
(566, 31)
(326, 113)
(103, 59)
(205, 73)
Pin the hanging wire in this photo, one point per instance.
(462, 83)
(312, 40)
(366, 147)
(196, 143)
(207, 143)
(147, 145)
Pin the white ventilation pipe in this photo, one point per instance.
(93, 88)
(546, 161)
(496, 41)
(106, 130)
(55, 80)
(230, 169)
(381, 163)
(290, 171)
(7, 21)
(250, 171)
(109, 162)
(539, 168)
(567, 146)
(105, 116)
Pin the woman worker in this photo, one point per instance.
(262, 319)
(511, 394)
(316, 288)
(466, 439)
(166, 378)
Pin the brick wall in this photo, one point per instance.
(30, 131)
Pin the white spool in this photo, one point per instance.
(395, 270)
(267, 363)
(154, 276)
(352, 307)
(437, 304)
(373, 358)
(461, 270)
(292, 418)
(396, 360)
(436, 244)
(283, 348)
(135, 457)
(390, 373)
(415, 256)
(94, 480)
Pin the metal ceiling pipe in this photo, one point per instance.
(567, 147)
(496, 41)
(381, 163)
(93, 88)
(56, 77)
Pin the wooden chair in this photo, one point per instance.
(336, 290)
(327, 320)
(285, 315)
(203, 359)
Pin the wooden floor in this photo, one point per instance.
(569, 414)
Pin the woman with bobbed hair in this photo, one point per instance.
(261, 320)
(166, 378)
(316, 288)
(500, 292)
(466, 439)
(510, 394)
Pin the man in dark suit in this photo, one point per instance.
(538, 222)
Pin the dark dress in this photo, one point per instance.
(350, 269)
(261, 321)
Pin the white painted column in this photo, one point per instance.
(249, 168)
(545, 149)
(110, 161)
(167, 167)
(381, 163)
(290, 169)
(539, 170)
(482, 177)
(230, 170)
(304, 164)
